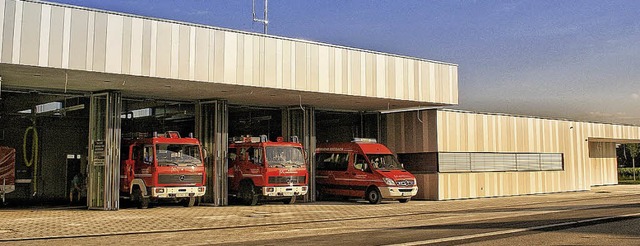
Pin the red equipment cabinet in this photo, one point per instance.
(261, 169)
(7, 171)
(162, 167)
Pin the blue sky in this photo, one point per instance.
(562, 59)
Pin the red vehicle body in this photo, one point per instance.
(162, 167)
(261, 169)
(362, 169)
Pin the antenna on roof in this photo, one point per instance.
(265, 21)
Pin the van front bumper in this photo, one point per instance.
(178, 192)
(398, 192)
(284, 191)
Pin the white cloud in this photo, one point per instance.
(635, 96)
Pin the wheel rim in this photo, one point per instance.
(373, 196)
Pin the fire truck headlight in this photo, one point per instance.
(159, 190)
(388, 181)
(271, 189)
(201, 189)
(304, 188)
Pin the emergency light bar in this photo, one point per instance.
(172, 134)
(364, 140)
(249, 139)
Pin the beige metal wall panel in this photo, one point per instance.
(59, 36)
(241, 71)
(314, 83)
(270, 59)
(127, 27)
(163, 50)
(230, 57)
(55, 37)
(520, 134)
(184, 52)
(202, 56)
(30, 34)
(323, 69)
(78, 39)
(588, 150)
(258, 61)
(146, 48)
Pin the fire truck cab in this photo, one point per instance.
(167, 167)
(362, 168)
(263, 170)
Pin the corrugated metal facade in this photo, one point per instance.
(46, 35)
(586, 162)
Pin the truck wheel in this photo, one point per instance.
(189, 202)
(373, 195)
(248, 194)
(291, 201)
(404, 200)
(143, 202)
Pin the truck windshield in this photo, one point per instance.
(284, 156)
(384, 162)
(178, 155)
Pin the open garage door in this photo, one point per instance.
(104, 151)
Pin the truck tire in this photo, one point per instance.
(373, 195)
(189, 202)
(405, 200)
(248, 194)
(142, 202)
(292, 200)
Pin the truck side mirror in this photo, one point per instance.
(205, 152)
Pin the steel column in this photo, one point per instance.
(104, 151)
(212, 119)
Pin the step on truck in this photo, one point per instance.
(362, 168)
(162, 167)
(260, 169)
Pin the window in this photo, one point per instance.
(499, 162)
(332, 161)
(255, 155)
(359, 162)
(284, 156)
(148, 154)
(178, 155)
(384, 162)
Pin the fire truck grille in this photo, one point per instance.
(179, 178)
(407, 182)
(287, 180)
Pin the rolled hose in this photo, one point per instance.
(34, 154)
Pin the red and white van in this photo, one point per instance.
(362, 168)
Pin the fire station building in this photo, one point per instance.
(73, 80)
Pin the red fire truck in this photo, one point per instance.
(261, 169)
(167, 167)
